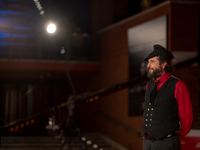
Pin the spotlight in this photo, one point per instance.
(83, 139)
(96, 97)
(39, 6)
(32, 121)
(22, 125)
(16, 127)
(41, 12)
(11, 129)
(91, 99)
(95, 146)
(89, 142)
(62, 50)
(27, 123)
(51, 28)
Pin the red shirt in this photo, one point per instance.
(182, 96)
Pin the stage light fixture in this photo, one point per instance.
(16, 127)
(62, 50)
(32, 121)
(37, 3)
(22, 125)
(51, 28)
(96, 97)
(91, 99)
(89, 142)
(41, 12)
(27, 123)
(95, 146)
(83, 139)
(39, 6)
(11, 129)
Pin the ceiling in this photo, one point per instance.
(23, 29)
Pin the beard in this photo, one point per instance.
(156, 73)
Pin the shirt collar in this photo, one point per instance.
(163, 78)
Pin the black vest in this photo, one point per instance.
(163, 118)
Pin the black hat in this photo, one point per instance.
(160, 51)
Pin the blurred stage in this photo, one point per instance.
(191, 141)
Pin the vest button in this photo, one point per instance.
(147, 114)
(151, 114)
(148, 109)
(151, 108)
(150, 119)
(146, 119)
(150, 125)
(146, 125)
(149, 103)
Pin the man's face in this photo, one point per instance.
(155, 69)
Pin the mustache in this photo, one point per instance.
(149, 69)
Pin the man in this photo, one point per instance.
(168, 110)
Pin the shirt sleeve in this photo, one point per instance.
(184, 106)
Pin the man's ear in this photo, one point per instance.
(164, 64)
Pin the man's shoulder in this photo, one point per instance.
(174, 78)
(179, 82)
(150, 82)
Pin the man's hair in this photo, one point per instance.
(169, 68)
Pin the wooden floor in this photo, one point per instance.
(89, 141)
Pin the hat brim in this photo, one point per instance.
(152, 54)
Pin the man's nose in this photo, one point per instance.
(148, 65)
